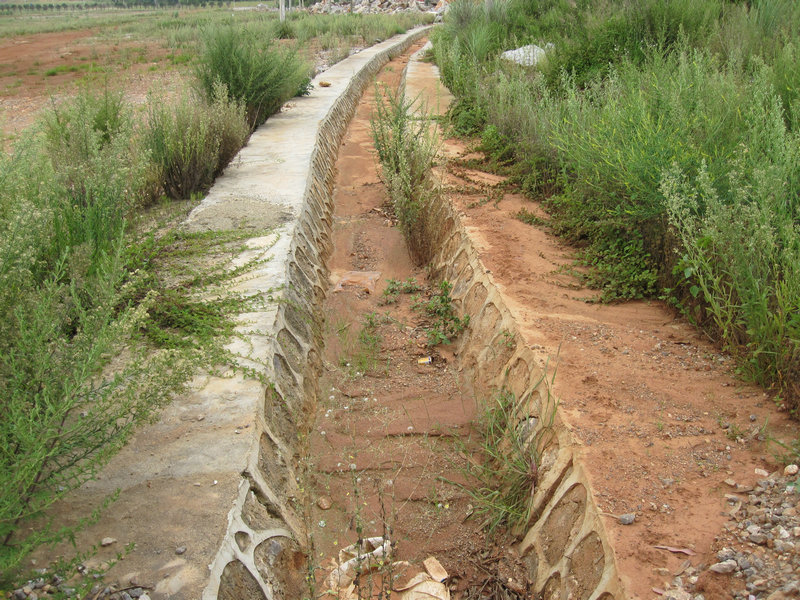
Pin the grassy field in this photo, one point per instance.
(663, 137)
(104, 310)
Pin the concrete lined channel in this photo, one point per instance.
(234, 446)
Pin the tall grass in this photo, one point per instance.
(62, 272)
(255, 72)
(406, 145)
(74, 294)
(670, 155)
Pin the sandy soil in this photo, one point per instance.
(661, 417)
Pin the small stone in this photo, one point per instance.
(627, 518)
(796, 531)
(753, 418)
(19, 595)
(180, 550)
(753, 529)
(730, 482)
(136, 592)
(725, 554)
(726, 566)
(758, 538)
(789, 470)
(761, 472)
(144, 597)
(324, 502)
(126, 596)
(27, 589)
(107, 541)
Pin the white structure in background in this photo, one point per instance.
(528, 56)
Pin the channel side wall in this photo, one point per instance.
(282, 178)
(564, 544)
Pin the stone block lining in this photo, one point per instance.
(564, 544)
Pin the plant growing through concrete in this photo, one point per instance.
(513, 446)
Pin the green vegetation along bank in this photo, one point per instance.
(105, 310)
(664, 139)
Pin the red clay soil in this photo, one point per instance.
(26, 88)
(646, 395)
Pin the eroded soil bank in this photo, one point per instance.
(665, 429)
(392, 432)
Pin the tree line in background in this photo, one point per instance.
(7, 8)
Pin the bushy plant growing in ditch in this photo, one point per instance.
(406, 145)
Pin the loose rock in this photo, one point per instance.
(726, 566)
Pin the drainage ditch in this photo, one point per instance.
(395, 427)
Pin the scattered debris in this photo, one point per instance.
(686, 551)
(358, 558)
(435, 569)
(363, 280)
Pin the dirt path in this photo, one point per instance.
(661, 418)
(391, 436)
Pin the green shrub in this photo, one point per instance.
(255, 72)
(192, 141)
(101, 173)
(406, 145)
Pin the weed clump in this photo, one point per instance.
(406, 146)
(255, 73)
(511, 461)
(445, 323)
(191, 142)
